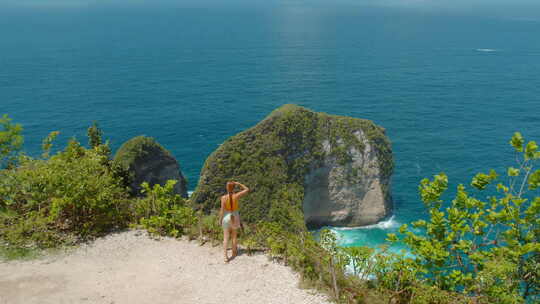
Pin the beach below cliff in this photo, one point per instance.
(131, 267)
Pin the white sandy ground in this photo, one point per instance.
(130, 267)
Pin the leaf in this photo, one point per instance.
(391, 237)
(493, 174)
(513, 171)
(431, 191)
(534, 180)
(403, 228)
(419, 223)
(530, 150)
(482, 180)
(48, 142)
(502, 187)
(517, 142)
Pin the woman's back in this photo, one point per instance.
(227, 202)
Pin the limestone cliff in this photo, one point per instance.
(335, 170)
(146, 160)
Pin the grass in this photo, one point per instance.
(17, 253)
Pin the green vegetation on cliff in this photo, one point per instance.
(79, 193)
(470, 250)
(274, 157)
(11, 140)
(143, 159)
(135, 149)
(70, 196)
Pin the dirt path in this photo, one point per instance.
(130, 267)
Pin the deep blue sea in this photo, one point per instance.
(449, 88)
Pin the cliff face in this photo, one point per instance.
(334, 170)
(147, 161)
(354, 193)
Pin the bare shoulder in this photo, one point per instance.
(239, 194)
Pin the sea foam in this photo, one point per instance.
(486, 50)
(386, 224)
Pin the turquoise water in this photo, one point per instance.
(449, 89)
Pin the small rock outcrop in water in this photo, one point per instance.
(334, 169)
(146, 160)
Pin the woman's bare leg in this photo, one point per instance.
(234, 243)
(226, 233)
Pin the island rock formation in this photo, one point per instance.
(335, 170)
(145, 160)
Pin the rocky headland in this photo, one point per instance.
(145, 160)
(335, 170)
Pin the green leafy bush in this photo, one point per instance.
(95, 135)
(67, 197)
(163, 212)
(359, 258)
(487, 249)
(210, 227)
(11, 140)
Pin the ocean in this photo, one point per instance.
(450, 89)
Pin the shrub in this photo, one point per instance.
(95, 135)
(487, 249)
(163, 212)
(210, 227)
(11, 140)
(69, 196)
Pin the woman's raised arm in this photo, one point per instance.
(244, 191)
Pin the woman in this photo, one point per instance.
(229, 217)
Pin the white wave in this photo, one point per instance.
(343, 240)
(486, 50)
(387, 224)
(189, 193)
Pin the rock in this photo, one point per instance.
(147, 161)
(333, 170)
(352, 194)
